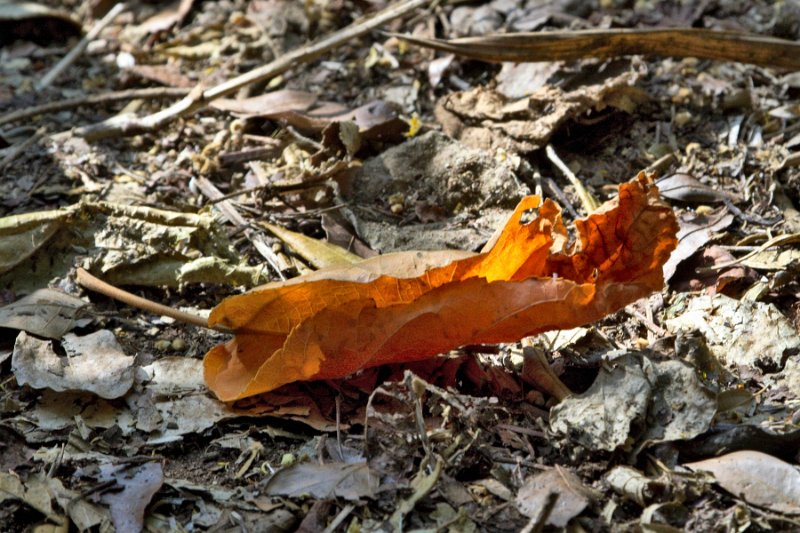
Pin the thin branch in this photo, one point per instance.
(61, 105)
(646, 322)
(556, 191)
(341, 517)
(73, 54)
(92, 283)
(130, 125)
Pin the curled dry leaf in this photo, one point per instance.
(410, 306)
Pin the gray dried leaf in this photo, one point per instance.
(336, 480)
(46, 312)
(756, 477)
(740, 332)
(686, 188)
(681, 406)
(601, 417)
(138, 484)
(573, 495)
(94, 363)
(664, 398)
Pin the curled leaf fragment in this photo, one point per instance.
(410, 306)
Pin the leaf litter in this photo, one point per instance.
(664, 393)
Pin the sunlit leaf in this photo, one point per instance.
(410, 306)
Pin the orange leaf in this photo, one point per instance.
(409, 306)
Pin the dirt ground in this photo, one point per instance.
(685, 405)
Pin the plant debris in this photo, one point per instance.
(202, 155)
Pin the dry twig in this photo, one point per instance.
(73, 54)
(131, 125)
(61, 105)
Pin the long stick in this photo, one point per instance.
(68, 59)
(115, 96)
(131, 125)
(571, 45)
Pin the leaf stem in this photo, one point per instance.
(92, 283)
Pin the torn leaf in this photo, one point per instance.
(411, 306)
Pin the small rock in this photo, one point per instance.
(162, 345)
(178, 344)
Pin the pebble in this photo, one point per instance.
(162, 345)
(178, 344)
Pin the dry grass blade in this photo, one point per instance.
(571, 45)
(199, 98)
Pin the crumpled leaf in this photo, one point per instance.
(123, 244)
(12, 488)
(410, 306)
(695, 231)
(637, 399)
(94, 363)
(740, 332)
(484, 118)
(757, 478)
(84, 514)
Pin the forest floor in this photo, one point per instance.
(686, 406)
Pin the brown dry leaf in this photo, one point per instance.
(303, 110)
(569, 45)
(686, 188)
(484, 118)
(172, 14)
(336, 480)
(410, 306)
(695, 231)
(168, 74)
